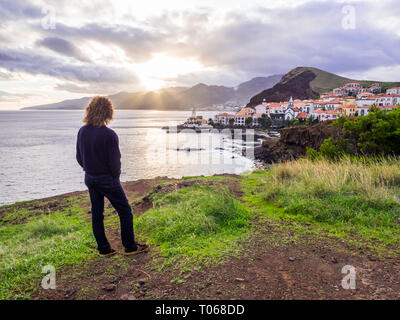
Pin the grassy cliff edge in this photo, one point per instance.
(198, 223)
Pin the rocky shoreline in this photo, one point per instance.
(294, 141)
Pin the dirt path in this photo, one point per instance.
(276, 264)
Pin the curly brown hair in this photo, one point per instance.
(99, 112)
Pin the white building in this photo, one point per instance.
(240, 119)
(363, 110)
(387, 99)
(331, 105)
(367, 101)
(256, 117)
(353, 87)
(395, 90)
(261, 108)
(290, 114)
(323, 115)
(388, 108)
(223, 118)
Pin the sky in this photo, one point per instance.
(65, 49)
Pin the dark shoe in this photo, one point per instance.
(108, 253)
(140, 248)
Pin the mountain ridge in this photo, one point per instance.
(199, 96)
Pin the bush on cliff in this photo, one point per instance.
(378, 133)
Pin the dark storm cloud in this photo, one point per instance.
(34, 63)
(63, 47)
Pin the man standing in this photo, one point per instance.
(97, 152)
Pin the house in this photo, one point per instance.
(246, 111)
(352, 87)
(290, 114)
(330, 105)
(276, 109)
(256, 117)
(388, 108)
(348, 110)
(302, 116)
(195, 121)
(318, 104)
(365, 100)
(240, 119)
(323, 115)
(223, 118)
(364, 95)
(395, 90)
(363, 110)
(261, 108)
(375, 88)
(387, 99)
(349, 100)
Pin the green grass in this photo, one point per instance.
(196, 224)
(353, 200)
(59, 239)
(348, 198)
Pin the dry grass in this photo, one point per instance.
(363, 194)
(376, 179)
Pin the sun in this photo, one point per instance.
(161, 70)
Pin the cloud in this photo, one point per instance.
(137, 43)
(5, 76)
(18, 9)
(35, 63)
(103, 88)
(14, 97)
(63, 47)
(87, 51)
(258, 42)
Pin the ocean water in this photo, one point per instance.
(37, 151)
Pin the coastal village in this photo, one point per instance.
(350, 100)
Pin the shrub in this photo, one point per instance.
(374, 134)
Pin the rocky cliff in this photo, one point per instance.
(294, 142)
(296, 86)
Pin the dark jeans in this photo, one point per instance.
(101, 186)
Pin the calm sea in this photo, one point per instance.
(37, 151)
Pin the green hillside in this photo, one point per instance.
(326, 81)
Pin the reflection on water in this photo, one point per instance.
(37, 151)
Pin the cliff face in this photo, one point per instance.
(294, 142)
(292, 85)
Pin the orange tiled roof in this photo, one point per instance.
(224, 115)
(302, 115)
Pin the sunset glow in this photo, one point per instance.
(155, 73)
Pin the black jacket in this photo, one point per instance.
(97, 151)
